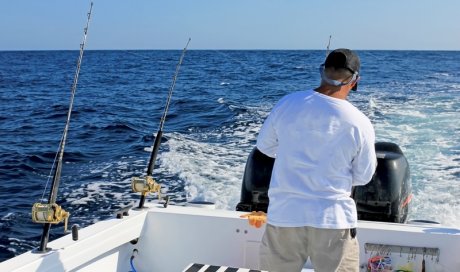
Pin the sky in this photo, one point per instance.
(231, 24)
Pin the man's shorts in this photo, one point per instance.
(286, 249)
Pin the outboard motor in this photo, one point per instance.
(256, 180)
(385, 198)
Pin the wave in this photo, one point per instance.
(211, 128)
(118, 128)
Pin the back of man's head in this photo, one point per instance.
(341, 64)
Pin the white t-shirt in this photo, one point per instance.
(323, 146)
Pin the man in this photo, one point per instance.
(323, 146)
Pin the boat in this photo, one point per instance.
(198, 237)
(158, 236)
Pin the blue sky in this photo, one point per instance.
(231, 24)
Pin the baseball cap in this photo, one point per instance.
(343, 58)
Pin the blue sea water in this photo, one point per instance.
(219, 103)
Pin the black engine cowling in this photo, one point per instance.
(256, 180)
(385, 198)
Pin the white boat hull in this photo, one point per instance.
(172, 238)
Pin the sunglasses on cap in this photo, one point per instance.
(354, 77)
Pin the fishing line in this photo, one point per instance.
(51, 213)
(60, 151)
(51, 170)
(147, 184)
(165, 112)
(173, 84)
(69, 113)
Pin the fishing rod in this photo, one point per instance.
(328, 44)
(51, 213)
(148, 184)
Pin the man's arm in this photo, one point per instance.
(267, 141)
(365, 162)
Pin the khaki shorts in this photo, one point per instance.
(286, 249)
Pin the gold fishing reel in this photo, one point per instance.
(145, 185)
(49, 213)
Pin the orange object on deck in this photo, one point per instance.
(256, 219)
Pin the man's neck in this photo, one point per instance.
(336, 92)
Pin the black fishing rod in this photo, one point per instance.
(51, 213)
(148, 185)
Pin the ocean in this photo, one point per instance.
(219, 103)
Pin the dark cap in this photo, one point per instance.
(346, 59)
(343, 58)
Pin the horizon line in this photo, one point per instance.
(220, 49)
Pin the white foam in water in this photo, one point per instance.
(372, 103)
(455, 86)
(426, 129)
(210, 164)
(211, 172)
(114, 185)
(8, 216)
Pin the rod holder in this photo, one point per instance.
(411, 250)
